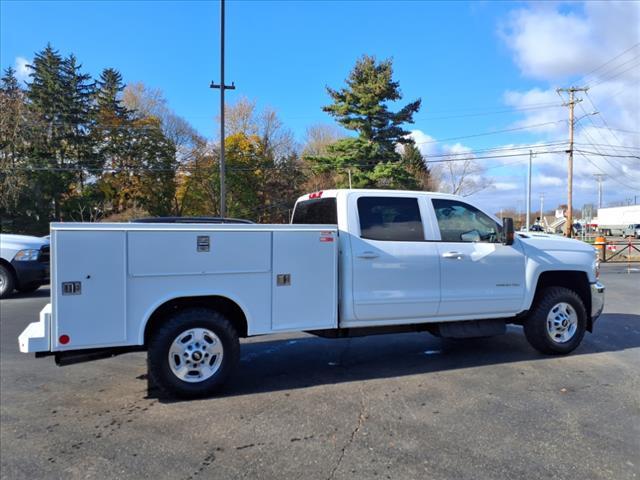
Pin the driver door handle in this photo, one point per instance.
(453, 255)
(368, 255)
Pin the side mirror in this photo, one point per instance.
(507, 230)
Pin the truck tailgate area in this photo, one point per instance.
(108, 279)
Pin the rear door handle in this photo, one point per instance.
(368, 255)
(453, 255)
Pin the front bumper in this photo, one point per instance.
(597, 300)
(31, 272)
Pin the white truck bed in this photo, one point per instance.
(109, 278)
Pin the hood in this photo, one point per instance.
(545, 241)
(21, 242)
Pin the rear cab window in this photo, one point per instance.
(316, 211)
(395, 219)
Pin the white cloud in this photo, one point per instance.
(549, 43)
(581, 44)
(425, 143)
(22, 71)
(505, 186)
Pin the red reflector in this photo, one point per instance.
(64, 339)
(326, 239)
(315, 194)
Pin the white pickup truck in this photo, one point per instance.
(352, 262)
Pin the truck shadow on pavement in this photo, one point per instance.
(42, 292)
(307, 361)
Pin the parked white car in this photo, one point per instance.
(632, 230)
(352, 262)
(24, 263)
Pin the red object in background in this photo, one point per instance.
(315, 194)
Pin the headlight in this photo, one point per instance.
(28, 255)
(596, 264)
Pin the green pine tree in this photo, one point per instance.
(363, 107)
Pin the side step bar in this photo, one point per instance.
(80, 356)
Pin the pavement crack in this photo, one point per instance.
(362, 415)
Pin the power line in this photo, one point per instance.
(478, 114)
(615, 179)
(526, 127)
(609, 154)
(608, 62)
(185, 168)
(608, 79)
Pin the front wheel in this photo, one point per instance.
(7, 281)
(557, 323)
(193, 353)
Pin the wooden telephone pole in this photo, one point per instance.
(571, 104)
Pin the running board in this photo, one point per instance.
(71, 357)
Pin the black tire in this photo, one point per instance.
(535, 326)
(160, 370)
(7, 281)
(28, 288)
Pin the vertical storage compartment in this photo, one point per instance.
(89, 288)
(305, 280)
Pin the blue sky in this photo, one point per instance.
(460, 58)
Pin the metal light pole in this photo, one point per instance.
(528, 217)
(222, 87)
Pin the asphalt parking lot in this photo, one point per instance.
(392, 407)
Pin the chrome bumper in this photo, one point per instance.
(597, 300)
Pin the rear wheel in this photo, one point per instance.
(193, 353)
(557, 323)
(7, 281)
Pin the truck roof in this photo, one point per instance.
(334, 192)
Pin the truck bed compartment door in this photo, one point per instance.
(304, 282)
(88, 288)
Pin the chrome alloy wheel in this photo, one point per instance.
(562, 322)
(195, 355)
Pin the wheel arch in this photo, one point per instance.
(220, 303)
(575, 280)
(9, 267)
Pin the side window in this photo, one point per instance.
(390, 218)
(461, 222)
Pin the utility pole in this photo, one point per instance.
(599, 178)
(222, 87)
(571, 104)
(528, 217)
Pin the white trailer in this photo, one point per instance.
(353, 262)
(614, 220)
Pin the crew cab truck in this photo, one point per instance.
(352, 262)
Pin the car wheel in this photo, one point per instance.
(557, 323)
(193, 353)
(7, 281)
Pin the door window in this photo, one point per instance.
(390, 218)
(461, 222)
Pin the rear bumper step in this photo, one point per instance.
(37, 336)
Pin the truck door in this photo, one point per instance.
(479, 274)
(395, 270)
